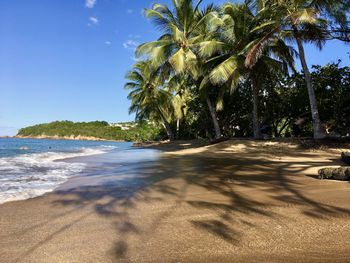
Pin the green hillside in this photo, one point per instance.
(96, 129)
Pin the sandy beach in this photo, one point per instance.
(237, 201)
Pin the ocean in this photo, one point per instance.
(32, 167)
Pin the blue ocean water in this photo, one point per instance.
(32, 167)
(16, 146)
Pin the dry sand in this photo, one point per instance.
(238, 201)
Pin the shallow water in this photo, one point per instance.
(31, 167)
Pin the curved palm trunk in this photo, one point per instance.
(318, 132)
(255, 89)
(166, 126)
(169, 132)
(214, 119)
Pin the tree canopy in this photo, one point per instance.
(95, 129)
(229, 70)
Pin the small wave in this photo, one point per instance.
(109, 147)
(30, 175)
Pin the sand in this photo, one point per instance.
(237, 201)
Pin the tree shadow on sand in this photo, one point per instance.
(226, 183)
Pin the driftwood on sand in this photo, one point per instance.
(341, 173)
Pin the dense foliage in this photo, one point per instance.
(283, 100)
(96, 129)
(230, 70)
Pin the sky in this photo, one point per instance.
(66, 59)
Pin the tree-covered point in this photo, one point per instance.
(96, 129)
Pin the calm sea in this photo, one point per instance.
(30, 167)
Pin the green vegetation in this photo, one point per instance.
(230, 70)
(96, 129)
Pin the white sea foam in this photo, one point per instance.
(30, 175)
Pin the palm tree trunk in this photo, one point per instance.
(177, 128)
(167, 126)
(255, 89)
(169, 132)
(318, 132)
(214, 119)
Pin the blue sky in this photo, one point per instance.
(66, 59)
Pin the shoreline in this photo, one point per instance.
(33, 168)
(66, 170)
(192, 203)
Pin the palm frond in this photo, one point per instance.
(211, 47)
(222, 73)
(178, 60)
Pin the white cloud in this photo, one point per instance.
(90, 3)
(134, 36)
(93, 20)
(108, 42)
(130, 44)
(129, 11)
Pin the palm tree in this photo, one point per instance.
(184, 28)
(178, 85)
(179, 28)
(205, 88)
(300, 20)
(205, 91)
(148, 99)
(238, 31)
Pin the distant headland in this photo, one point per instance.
(96, 131)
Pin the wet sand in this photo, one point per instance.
(237, 201)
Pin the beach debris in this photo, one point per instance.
(341, 173)
(345, 157)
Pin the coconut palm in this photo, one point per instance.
(179, 28)
(178, 85)
(184, 28)
(205, 88)
(239, 29)
(148, 99)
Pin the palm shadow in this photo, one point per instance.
(230, 179)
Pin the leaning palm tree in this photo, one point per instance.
(148, 99)
(238, 30)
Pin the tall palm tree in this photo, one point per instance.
(183, 29)
(239, 29)
(205, 88)
(148, 99)
(301, 20)
(178, 85)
